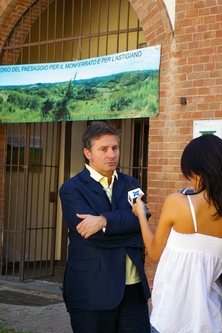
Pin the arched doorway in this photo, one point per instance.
(51, 31)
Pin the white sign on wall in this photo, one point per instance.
(201, 127)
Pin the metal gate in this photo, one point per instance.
(51, 31)
(31, 199)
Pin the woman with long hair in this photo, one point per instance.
(187, 289)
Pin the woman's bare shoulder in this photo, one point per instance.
(176, 207)
(176, 197)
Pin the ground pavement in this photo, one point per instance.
(33, 306)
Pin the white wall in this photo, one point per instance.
(170, 5)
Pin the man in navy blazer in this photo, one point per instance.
(105, 288)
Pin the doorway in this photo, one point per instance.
(30, 200)
(35, 237)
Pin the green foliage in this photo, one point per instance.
(23, 100)
(119, 101)
(141, 97)
(123, 95)
(47, 106)
(60, 109)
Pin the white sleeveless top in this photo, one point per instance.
(187, 294)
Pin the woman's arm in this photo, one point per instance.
(155, 243)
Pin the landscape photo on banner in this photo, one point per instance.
(121, 85)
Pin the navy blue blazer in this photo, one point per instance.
(96, 269)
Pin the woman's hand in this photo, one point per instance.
(138, 207)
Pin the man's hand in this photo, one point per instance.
(90, 224)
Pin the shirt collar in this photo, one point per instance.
(96, 175)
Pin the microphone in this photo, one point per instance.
(133, 193)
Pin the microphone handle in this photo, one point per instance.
(148, 214)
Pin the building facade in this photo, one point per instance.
(190, 35)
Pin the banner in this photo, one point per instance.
(122, 85)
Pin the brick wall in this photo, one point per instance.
(191, 67)
(10, 12)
